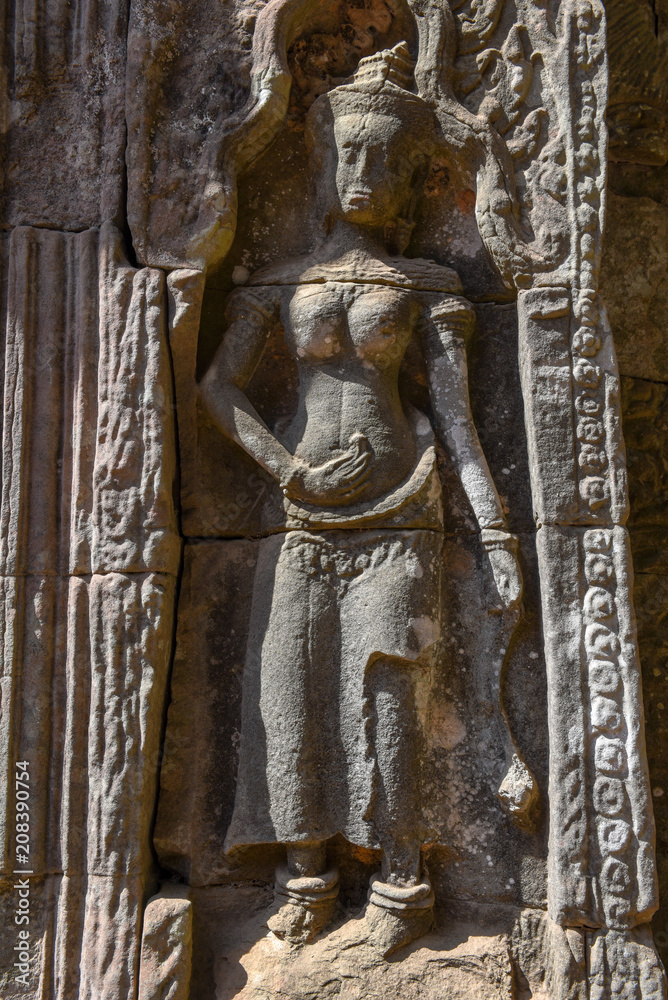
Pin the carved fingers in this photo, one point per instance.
(341, 479)
(501, 548)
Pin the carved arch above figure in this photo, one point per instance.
(468, 104)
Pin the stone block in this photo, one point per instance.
(242, 959)
(166, 946)
(64, 134)
(634, 283)
(595, 717)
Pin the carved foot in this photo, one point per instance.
(518, 794)
(396, 915)
(306, 905)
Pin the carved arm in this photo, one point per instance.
(222, 388)
(445, 329)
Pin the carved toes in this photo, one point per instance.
(299, 924)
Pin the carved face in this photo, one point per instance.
(369, 168)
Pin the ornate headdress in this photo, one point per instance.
(382, 82)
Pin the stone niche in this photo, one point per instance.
(317, 521)
(509, 698)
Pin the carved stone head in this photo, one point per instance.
(370, 141)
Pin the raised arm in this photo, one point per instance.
(222, 388)
(447, 325)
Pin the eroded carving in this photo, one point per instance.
(343, 620)
(489, 157)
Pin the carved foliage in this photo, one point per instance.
(537, 76)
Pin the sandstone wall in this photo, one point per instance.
(634, 284)
(89, 534)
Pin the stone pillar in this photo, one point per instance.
(89, 558)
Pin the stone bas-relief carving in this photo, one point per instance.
(349, 791)
(347, 601)
(348, 483)
(302, 778)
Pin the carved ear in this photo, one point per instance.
(421, 154)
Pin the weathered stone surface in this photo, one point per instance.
(166, 947)
(636, 238)
(110, 944)
(381, 223)
(595, 714)
(637, 180)
(651, 598)
(102, 964)
(178, 51)
(645, 435)
(638, 103)
(89, 553)
(243, 960)
(634, 284)
(199, 752)
(63, 122)
(97, 771)
(645, 407)
(498, 953)
(88, 421)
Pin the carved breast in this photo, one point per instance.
(341, 321)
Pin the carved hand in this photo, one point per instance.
(338, 480)
(501, 548)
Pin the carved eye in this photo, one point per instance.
(349, 152)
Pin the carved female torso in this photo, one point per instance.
(348, 342)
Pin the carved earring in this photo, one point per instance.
(397, 234)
